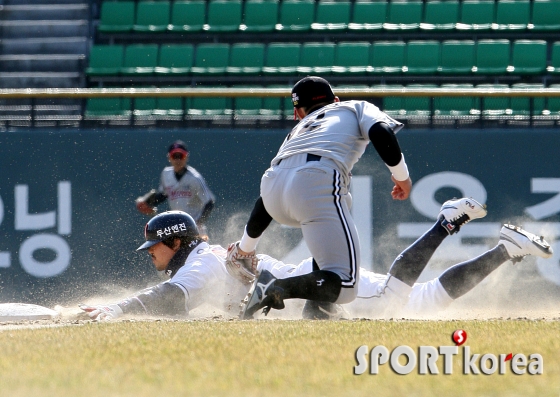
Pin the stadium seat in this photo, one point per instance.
(392, 105)
(246, 59)
(107, 108)
(476, 15)
(512, 15)
(296, 15)
(422, 56)
(418, 108)
(260, 16)
(117, 16)
(247, 106)
(529, 57)
(187, 16)
(170, 107)
(553, 103)
(457, 57)
(175, 59)
(223, 16)
(495, 107)
(368, 15)
(211, 59)
(152, 16)
(277, 107)
(210, 107)
(282, 58)
(492, 56)
(140, 59)
(554, 66)
(345, 86)
(440, 15)
(387, 57)
(144, 107)
(271, 107)
(545, 15)
(351, 58)
(332, 16)
(317, 58)
(455, 107)
(522, 105)
(105, 60)
(405, 15)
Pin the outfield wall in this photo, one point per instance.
(69, 226)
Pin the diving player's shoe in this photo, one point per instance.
(519, 243)
(316, 310)
(263, 294)
(458, 212)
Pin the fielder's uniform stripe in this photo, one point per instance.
(349, 240)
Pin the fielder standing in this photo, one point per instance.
(307, 187)
(182, 186)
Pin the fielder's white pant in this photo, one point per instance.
(379, 295)
(313, 195)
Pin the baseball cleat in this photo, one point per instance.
(519, 243)
(458, 212)
(316, 310)
(263, 294)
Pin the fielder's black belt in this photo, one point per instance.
(310, 157)
(313, 157)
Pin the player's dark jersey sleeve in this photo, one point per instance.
(206, 211)
(385, 142)
(163, 299)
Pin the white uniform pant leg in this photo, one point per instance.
(283, 270)
(379, 296)
(313, 196)
(426, 299)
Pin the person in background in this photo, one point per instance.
(182, 186)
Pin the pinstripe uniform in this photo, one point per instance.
(307, 183)
(189, 194)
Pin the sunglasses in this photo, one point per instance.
(178, 156)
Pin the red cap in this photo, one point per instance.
(178, 147)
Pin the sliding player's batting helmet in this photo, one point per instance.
(167, 225)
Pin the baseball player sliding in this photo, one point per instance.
(199, 272)
(182, 186)
(307, 185)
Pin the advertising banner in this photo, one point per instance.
(70, 228)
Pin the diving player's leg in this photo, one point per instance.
(399, 288)
(280, 269)
(436, 295)
(514, 244)
(408, 266)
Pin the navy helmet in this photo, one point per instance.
(166, 225)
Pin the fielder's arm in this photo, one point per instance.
(387, 146)
(147, 203)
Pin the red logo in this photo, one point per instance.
(459, 337)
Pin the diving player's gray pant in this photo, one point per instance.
(313, 195)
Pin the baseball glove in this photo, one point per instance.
(242, 267)
(143, 206)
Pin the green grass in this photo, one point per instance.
(269, 358)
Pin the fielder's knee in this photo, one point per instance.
(347, 295)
